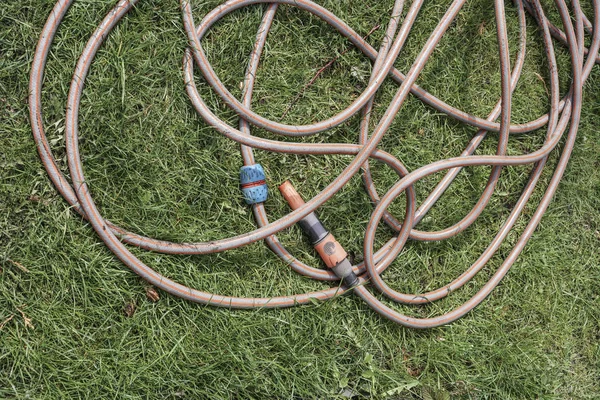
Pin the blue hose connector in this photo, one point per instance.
(253, 184)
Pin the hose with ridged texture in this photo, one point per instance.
(563, 113)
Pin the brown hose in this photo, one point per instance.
(563, 112)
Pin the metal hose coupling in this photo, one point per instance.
(329, 249)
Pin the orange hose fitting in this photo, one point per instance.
(289, 193)
(331, 251)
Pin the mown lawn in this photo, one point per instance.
(155, 167)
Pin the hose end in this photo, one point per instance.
(289, 193)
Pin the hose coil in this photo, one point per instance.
(563, 116)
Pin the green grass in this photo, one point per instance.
(154, 167)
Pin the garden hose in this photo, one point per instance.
(563, 116)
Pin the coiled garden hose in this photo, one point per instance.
(564, 113)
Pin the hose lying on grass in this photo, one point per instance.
(564, 115)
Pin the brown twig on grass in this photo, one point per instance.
(6, 321)
(26, 319)
(319, 72)
(18, 265)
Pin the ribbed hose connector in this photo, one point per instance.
(253, 184)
